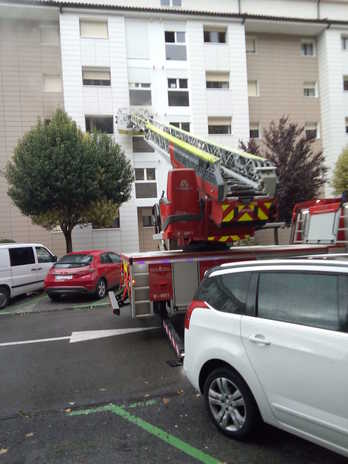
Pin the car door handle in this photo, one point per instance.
(259, 340)
(36, 268)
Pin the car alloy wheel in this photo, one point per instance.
(4, 297)
(101, 288)
(230, 403)
(227, 404)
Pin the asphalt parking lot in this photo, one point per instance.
(39, 302)
(79, 385)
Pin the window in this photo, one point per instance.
(214, 34)
(115, 258)
(52, 84)
(177, 92)
(308, 47)
(345, 83)
(344, 42)
(171, 3)
(217, 80)
(311, 130)
(185, 126)
(96, 76)
(254, 130)
(140, 93)
(346, 125)
(226, 293)
(76, 260)
(299, 298)
(147, 221)
(43, 255)
(253, 89)
(310, 89)
(49, 35)
(175, 45)
(105, 258)
(21, 256)
(93, 29)
(100, 123)
(220, 126)
(250, 45)
(145, 183)
(140, 145)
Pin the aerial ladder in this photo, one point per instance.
(215, 195)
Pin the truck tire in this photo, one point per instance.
(4, 297)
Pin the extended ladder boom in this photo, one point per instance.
(232, 173)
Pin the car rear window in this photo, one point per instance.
(226, 293)
(70, 261)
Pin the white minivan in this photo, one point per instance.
(23, 268)
(269, 340)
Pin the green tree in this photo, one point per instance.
(301, 171)
(60, 176)
(340, 174)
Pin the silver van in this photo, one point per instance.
(23, 268)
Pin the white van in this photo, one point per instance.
(23, 268)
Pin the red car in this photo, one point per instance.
(89, 272)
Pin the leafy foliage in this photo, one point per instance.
(250, 147)
(340, 174)
(59, 175)
(301, 172)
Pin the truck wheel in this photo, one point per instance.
(4, 297)
(100, 290)
(54, 297)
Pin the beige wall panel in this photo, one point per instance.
(281, 71)
(23, 61)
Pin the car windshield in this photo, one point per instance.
(69, 261)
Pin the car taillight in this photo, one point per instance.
(85, 272)
(195, 304)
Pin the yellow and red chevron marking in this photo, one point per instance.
(228, 238)
(236, 211)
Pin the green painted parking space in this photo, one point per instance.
(166, 437)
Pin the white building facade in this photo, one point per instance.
(187, 61)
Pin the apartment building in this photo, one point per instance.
(221, 71)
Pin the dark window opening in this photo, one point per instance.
(100, 123)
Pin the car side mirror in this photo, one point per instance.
(54, 258)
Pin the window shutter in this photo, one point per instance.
(219, 121)
(252, 88)
(94, 29)
(217, 76)
(96, 74)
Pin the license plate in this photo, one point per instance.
(63, 277)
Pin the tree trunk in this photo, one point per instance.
(68, 240)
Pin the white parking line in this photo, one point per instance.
(84, 336)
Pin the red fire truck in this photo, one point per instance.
(216, 197)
